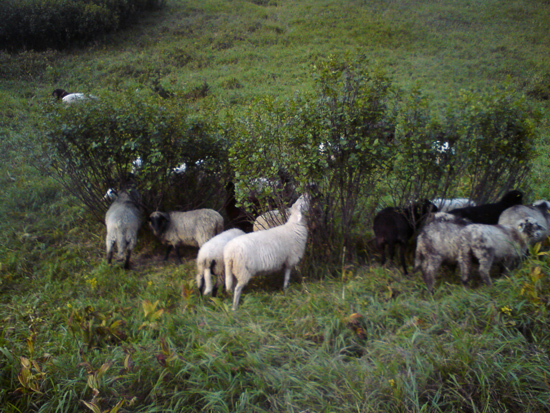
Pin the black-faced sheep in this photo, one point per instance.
(67, 97)
(489, 213)
(262, 252)
(489, 244)
(517, 213)
(191, 228)
(395, 226)
(123, 219)
(210, 261)
(438, 243)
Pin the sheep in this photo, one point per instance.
(397, 225)
(210, 260)
(123, 220)
(191, 228)
(437, 243)
(489, 213)
(67, 97)
(446, 205)
(513, 215)
(503, 244)
(542, 202)
(266, 251)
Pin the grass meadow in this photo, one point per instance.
(77, 335)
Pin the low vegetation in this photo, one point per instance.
(348, 99)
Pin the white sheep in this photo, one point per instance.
(517, 213)
(446, 205)
(191, 228)
(123, 219)
(279, 248)
(210, 260)
(503, 244)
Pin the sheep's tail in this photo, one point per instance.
(228, 273)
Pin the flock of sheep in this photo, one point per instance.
(497, 233)
(232, 256)
(452, 231)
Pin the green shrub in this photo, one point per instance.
(42, 24)
(94, 146)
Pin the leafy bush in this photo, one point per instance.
(124, 140)
(42, 24)
(359, 143)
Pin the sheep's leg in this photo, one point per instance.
(178, 257)
(465, 264)
(382, 248)
(228, 276)
(485, 263)
(403, 249)
(237, 295)
(110, 248)
(207, 281)
(200, 283)
(287, 278)
(428, 272)
(168, 249)
(127, 259)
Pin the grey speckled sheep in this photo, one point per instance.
(123, 219)
(191, 228)
(513, 215)
(210, 261)
(503, 244)
(279, 248)
(438, 243)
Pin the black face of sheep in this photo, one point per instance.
(395, 226)
(159, 222)
(489, 213)
(59, 93)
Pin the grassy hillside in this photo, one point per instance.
(78, 335)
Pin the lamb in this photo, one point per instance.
(67, 97)
(191, 228)
(210, 260)
(123, 220)
(539, 213)
(489, 213)
(266, 251)
(446, 205)
(503, 244)
(436, 244)
(397, 225)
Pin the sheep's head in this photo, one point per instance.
(59, 93)
(159, 221)
(512, 198)
(530, 228)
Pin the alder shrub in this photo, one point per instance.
(130, 139)
(331, 142)
(358, 144)
(57, 24)
(496, 141)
